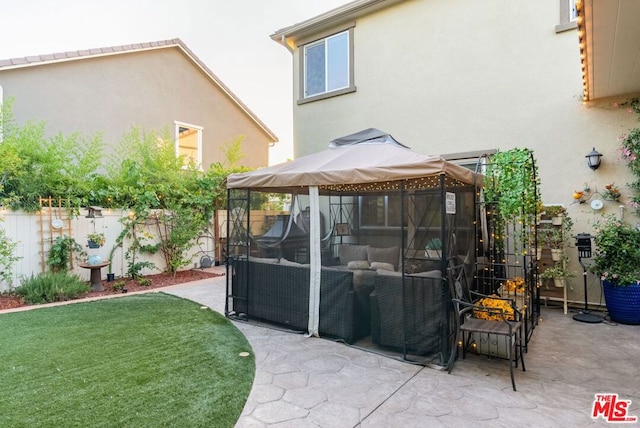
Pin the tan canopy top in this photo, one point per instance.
(375, 162)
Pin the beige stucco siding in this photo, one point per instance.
(150, 89)
(448, 76)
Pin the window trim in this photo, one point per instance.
(566, 21)
(348, 28)
(200, 129)
(469, 158)
(386, 225)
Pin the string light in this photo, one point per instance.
(583, 47)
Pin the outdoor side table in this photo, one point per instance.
(96, 276)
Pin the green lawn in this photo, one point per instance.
(148, 360)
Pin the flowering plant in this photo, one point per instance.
(516, 284)
(617, 255)
(98, 238)
(491, 308)
(611, 192)
(629, 151)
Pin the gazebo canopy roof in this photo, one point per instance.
(368, 161)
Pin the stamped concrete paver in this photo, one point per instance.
(311, 382)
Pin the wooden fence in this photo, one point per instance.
(35, 232)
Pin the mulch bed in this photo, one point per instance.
(9, 301)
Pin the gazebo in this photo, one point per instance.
(364, 251)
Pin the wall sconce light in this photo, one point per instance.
(593, 159)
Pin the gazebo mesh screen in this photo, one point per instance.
(385, 257)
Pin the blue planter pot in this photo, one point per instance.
(623, 303)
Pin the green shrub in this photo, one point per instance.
(62, 252)
(7, 258)
(51, 287)
(144, 282)
(119, 285)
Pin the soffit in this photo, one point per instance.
(348, 12)
(609, 34)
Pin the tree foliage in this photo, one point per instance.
(143, 174)
(34, 165)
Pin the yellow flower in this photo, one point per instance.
(494, 302)
(515, 284)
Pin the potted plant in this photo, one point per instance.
(110, 275)
(617, 262)
(559, 273)
(128, 224)
(556, 241)
(433, 249)
(95, 240)
(556, 213)
(557, 238)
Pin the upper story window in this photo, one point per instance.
(327, 66)
(189, 143)
(568, 16)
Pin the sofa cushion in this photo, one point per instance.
(382, 265)
(384, 272)
(385, 255)
(265, 260)
(363, 278)
(429, 274)
(358, 264)
(350, 252)
(286, 262)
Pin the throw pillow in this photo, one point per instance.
(349, 253)
(358, 264)
(382, 265)
(385, 255)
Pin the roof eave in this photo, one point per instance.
(355, 9)
(609, 40)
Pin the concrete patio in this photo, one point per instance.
(311, 382)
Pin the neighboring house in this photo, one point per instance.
(461, 78)
(150, 85)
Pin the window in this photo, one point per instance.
(568, 16)
(327, 67)
(189, 143)
(470, 159)
(381, 211)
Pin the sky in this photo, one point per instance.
(230, 36)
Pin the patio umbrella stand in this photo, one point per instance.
(583, 242)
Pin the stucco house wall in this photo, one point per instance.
(450, 76)
(152, 85)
